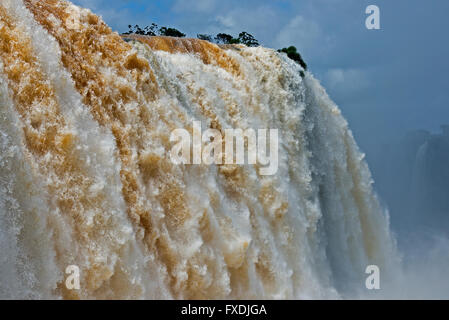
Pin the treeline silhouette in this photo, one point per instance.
(293, 54)
(221, 38)
(155, 30)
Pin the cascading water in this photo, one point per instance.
(86, 177)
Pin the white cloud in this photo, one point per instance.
(226, 21)
(261, 21)
(307, 36)
(346, 82)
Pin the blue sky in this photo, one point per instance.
(386, 81)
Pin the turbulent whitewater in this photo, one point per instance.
(86, 179)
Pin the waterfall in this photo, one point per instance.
(86, 177)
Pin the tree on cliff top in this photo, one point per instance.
(206, 37)
(154, 30)
(171, 32)
(248, 39)
(221, 38)
(293, 54)
(243, 38)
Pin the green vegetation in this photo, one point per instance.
(224, 38)
(293, 54)
(221, 38)
(205, 37)
(155, 30)
(171, 32)
(248, 40)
